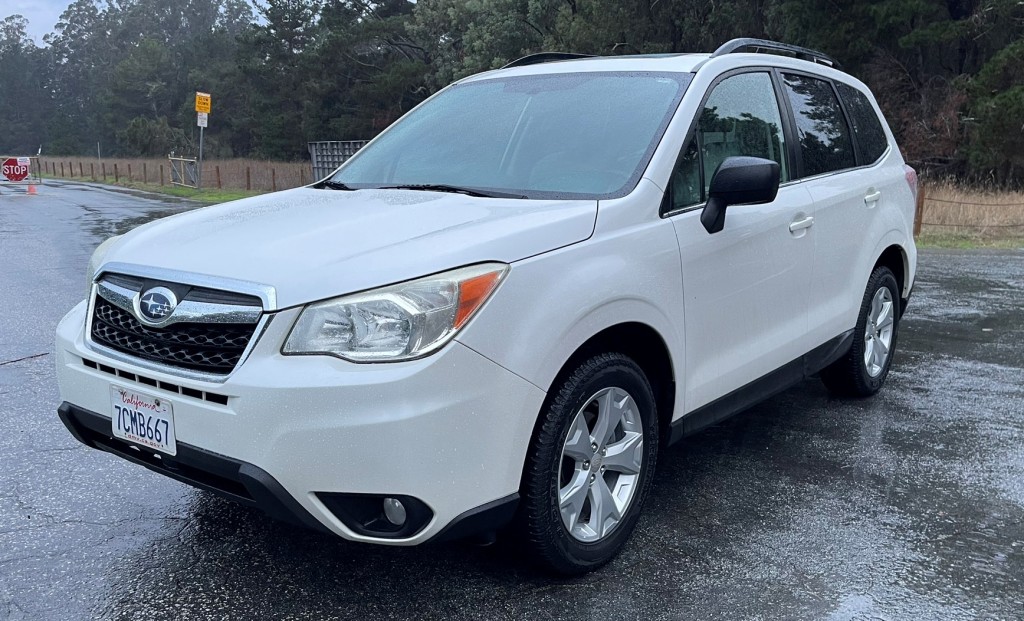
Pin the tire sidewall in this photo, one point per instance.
(624, 374)
(882, 277)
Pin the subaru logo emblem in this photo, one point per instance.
(156, 304)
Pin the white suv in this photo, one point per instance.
(501, 308)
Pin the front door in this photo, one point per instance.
(746, 287)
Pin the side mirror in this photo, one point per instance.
(739, 181)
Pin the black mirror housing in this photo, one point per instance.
(739, 181)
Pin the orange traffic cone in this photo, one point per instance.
(31, 189)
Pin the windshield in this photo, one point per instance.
(578, 135)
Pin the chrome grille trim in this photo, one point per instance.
(117, 294)
(266, 293)
(187, 311)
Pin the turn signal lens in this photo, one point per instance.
(399, 322)
(473, 292)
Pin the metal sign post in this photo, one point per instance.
(202, 117)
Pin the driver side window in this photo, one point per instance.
(740, 117)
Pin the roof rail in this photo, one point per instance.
(764, 45)
(544, 57)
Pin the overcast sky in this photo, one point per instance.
(42, 15)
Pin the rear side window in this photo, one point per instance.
(825, 142)
(866, 126)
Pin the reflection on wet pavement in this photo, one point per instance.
(908, 505)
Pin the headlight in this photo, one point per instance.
(399, 322)
(95, 261)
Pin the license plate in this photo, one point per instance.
(142, 419)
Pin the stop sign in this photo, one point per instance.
(14, 171)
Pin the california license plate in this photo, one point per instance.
(142, 419)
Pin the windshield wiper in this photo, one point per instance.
(454, 189)
(333, 185)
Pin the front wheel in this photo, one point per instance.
(862, 371)
(591, 465)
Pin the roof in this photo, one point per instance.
(682, 63)
(736, 49)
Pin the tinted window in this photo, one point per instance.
(866, 127)
(582, 135)
(741, 117)
(821, 127)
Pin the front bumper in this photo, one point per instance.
(451, 430)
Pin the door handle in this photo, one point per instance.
(872, 196)
(797, 225)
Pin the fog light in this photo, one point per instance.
(394, 511)
(387, 516)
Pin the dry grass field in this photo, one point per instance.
(953, 211)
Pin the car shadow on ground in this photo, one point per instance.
(706, 489)
(800, 505)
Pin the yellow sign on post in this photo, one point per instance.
(202, 102)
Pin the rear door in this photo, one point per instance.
(746, 287)
(842, 160)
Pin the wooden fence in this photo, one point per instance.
(233, 174)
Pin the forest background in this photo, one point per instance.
(949, 76)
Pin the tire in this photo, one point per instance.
(862, 372)
(603, 491)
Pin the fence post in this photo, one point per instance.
(918, 211)
(273, 180)
(71, 170)
(248, 180)
(115, 173)
(92, 171)
(129, 173)
(302, 176)
(145, 175)
(80, 172)
(161, 174)
(217, 168)
(62, 169)
(103, 167)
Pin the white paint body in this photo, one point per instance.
(453, 428)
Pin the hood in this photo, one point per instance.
(312, 244)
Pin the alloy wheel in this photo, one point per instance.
(599, 472)
(878, 332)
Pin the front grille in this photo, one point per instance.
(208, 347)
(212, 397)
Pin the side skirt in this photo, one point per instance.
(762, 388)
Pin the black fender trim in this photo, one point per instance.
(762, 388)
(487, 518)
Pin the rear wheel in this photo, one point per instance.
(591, 465)
(862, 371)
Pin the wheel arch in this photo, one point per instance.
(895, 258)
(646, 346)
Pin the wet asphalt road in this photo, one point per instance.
(906, 506)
